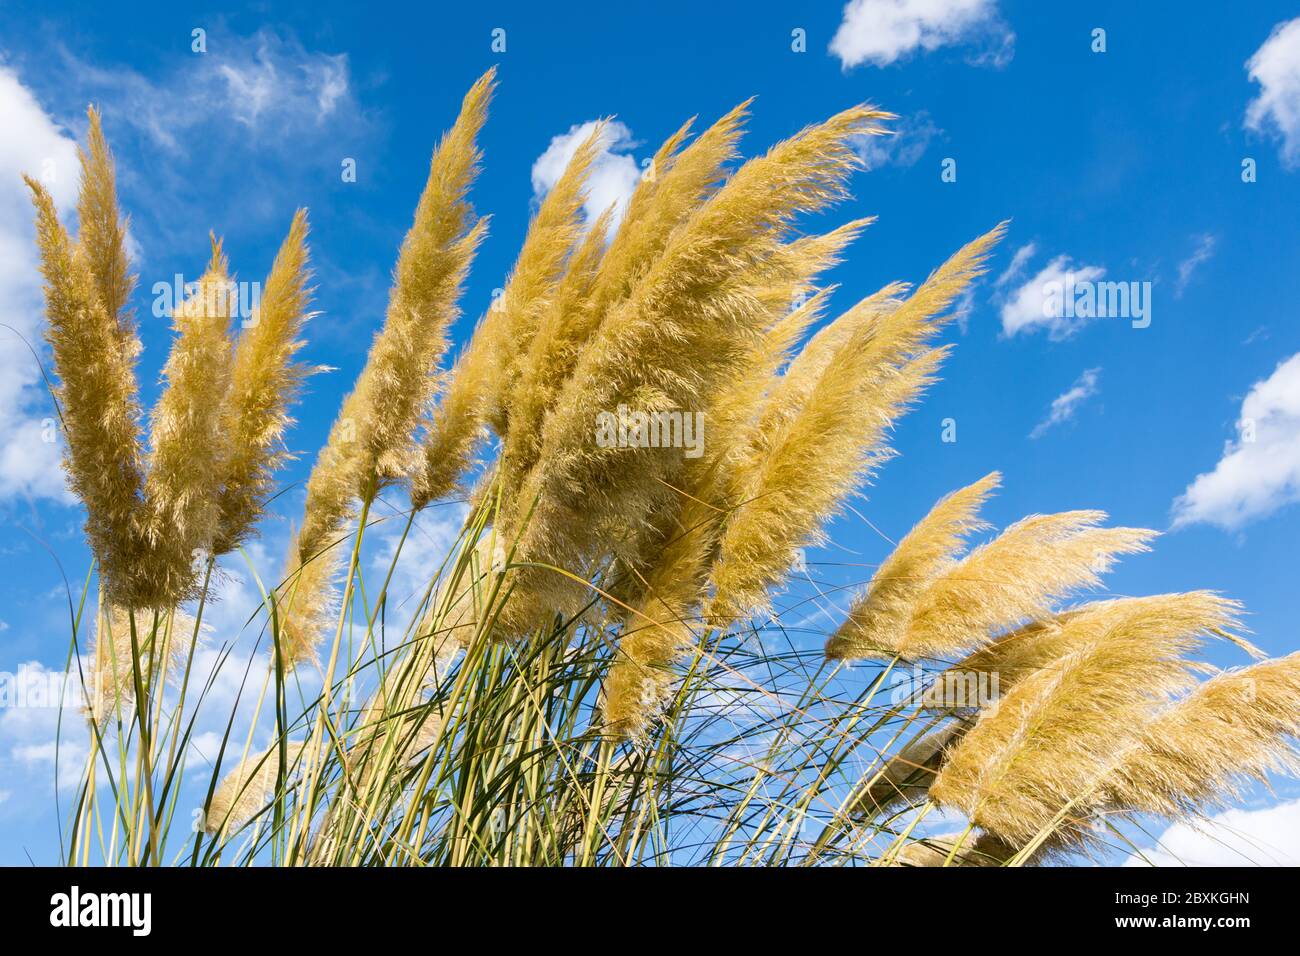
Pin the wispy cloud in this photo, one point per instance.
(963, 308)
(1259, 472)
(245, 129)
(431, 539)
(1203, 252)
(1275, 66)
(266, 86)
(1067, 404)
(881, 32)
(1018, 263)
(614, 172)
(903, 147)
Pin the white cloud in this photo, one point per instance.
(1203, 252)
(1065, 405)
(269, 84)
(1027, 308)
(36, 753)
(614, 173)
(1265, 837)
(1018, 263)
(963, 308)
(1275, 66)
(1259, 334)
(34, 144)
(1260, 471)
(880, 32)
(33, 734)
(279, 77)
(903, 147)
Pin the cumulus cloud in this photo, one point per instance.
(903, 147)
(1275, 66)
(1259, 472)
(34, 144)
(1203, 252)
(881, 32)
(1066, 405)
(1265, 837)
(1028, 308)
(614, 172)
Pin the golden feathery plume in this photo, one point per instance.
(396, 388)
(427, 729)
(639, 203)
(396, 708)
(668, 582)
(673, 187)
(1039, 756)
(398, 711)
(508, 330)
(1028, 650)
(975, 849)
(886, 606)
(671, 191)
(264, 381)
(566, 323)
(457, 426)
(248, 789)
(1237, 726)
(1019, 653)
(307, 593)
(372, 440)
(700, 494)
(189, 443)
(739, 408)
(640, 679)
(454, 614)
(818, 455)
(102, 231)
(789, 394)
(666, 347)
(111, 694)
(486, 374)
(94, 359)
(1011, 579)
(907, 775)
(448, 627)
(675, 555)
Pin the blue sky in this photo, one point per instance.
(1127, 165)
